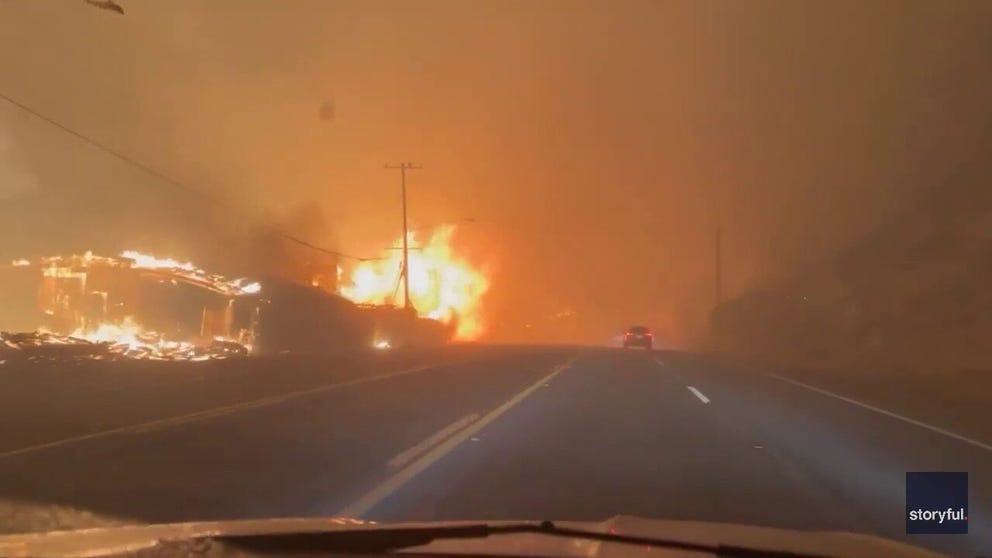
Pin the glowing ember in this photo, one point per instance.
(131, 339)
(442, 286)
(126, 339)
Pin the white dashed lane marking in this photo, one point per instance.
(403, 476)
(699, 394)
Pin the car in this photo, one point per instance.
(638, 336)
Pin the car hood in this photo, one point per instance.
(114, 540)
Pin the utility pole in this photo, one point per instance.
(718, 267)
(406, 250)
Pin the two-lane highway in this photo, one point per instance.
(488, 433)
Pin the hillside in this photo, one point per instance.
(915, 294)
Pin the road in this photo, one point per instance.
(469, 432)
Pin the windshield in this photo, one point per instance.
(380, 260)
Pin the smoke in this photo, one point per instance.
(270, 249)
(163, 87)
(598, 144)
(15, 177)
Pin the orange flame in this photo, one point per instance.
(149, 261)
(443, 286)
(129, 339)
(124, 333)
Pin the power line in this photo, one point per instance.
(169, 180)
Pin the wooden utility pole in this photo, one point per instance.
(718, 267)
(406, 250)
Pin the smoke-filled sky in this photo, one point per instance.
(597, 145)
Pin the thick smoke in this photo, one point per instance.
(15, 177)
(599, 145)
(273, 244)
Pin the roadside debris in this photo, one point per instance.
(46, 346)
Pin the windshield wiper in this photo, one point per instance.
(386, 539)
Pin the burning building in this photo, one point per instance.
(136, 303)
(269, 254)
(301, 318)
(141, 306)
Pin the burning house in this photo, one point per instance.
(140, 306)
(134, 304)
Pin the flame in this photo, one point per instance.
(65, 267)
(147, 261)
(131, 339)
(253, 287)
(125, 339)
(128, 337)
(443, 286)
(124, 333)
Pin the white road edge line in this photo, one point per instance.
(699, 394)
(889, 414)
(379, 493)
(408, 455)
(207, 413)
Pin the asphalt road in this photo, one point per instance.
(467, 433)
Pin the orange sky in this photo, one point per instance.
(597, 144)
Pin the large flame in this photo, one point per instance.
(443, 286)
(131, 339)
(124, 333)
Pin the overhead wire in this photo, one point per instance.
(172, 181)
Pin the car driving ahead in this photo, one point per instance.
(638, 336)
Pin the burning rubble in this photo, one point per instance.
(43, 345)
(138, 306)
(133, 306)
